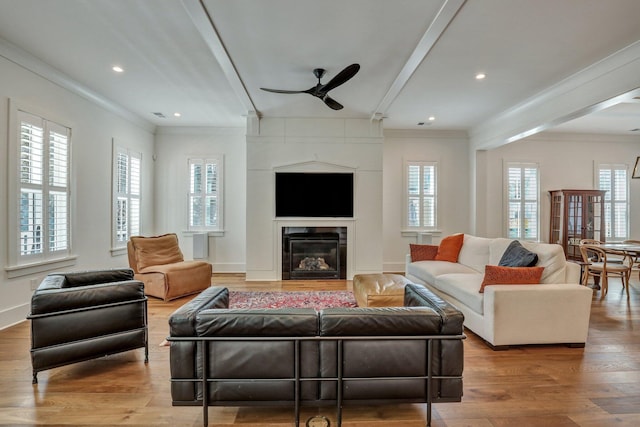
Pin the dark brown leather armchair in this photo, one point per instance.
(84, 315)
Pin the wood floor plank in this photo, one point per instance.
(536, 386)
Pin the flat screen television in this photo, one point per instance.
(314, 194)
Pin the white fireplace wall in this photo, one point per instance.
(324, 145)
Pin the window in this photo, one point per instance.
(127, 169)
(613, 180)
(43, 190)
(421, 195)
(205, 194)
(522, 200)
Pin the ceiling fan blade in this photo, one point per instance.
(283, 91)
(341, 77)
(332, 103)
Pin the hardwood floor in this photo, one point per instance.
(524, 386)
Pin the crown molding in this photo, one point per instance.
(33, 64)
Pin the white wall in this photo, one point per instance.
(174, 146)
(566, 161)
(450, 150)
(354, 144)
(92, 131)
(470, 182)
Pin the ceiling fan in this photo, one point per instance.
(321, 90)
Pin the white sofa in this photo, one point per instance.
(555, 311)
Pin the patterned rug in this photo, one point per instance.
(303, 299)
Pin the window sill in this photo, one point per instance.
(118, 251)
(39, 267)
(210, 233)
(414, 233)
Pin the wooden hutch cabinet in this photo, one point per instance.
(576, 215)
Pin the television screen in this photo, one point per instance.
(314, 194)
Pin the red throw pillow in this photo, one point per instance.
(498, 275)
(423, 252)
(450, 248)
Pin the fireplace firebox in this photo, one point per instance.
(313, 253)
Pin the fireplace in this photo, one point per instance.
(314, 253)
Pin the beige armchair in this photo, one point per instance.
(158, 262)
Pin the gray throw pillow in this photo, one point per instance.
(517, 256)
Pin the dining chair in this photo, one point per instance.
(598, 265)
(635, 256)
(610, 258)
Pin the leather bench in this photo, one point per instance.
(379, 290)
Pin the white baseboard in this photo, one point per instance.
(14, 315)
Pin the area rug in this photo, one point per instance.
(302, 299)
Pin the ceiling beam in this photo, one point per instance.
(204, 24)
(438, 26)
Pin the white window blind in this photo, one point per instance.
(421, 195)
(127, 169)
(613, 179)
(205, 194)
(522, 186)
(44, 223)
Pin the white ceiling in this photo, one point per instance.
(207, 60)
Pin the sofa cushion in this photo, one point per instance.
(550, 256)
(518, 256)
(156, 250)
(450, 248)
(475, 252)
(429, 270)
(423, 252)
(499, 275)
(464, 288)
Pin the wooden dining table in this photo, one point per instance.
(632, 249)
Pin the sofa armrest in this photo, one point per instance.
(407, 261)
(452, 318)
(531, 314)
(182, 321)
(572, 274)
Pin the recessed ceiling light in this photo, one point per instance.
(117, 69)
(177, 114)
(431, 118)
(480, 76)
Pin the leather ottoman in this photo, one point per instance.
(379, 290)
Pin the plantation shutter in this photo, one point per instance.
(522, 205)
(421, 194)
(613, 180)
(127, 170)
(44, 187)
(204, 193)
